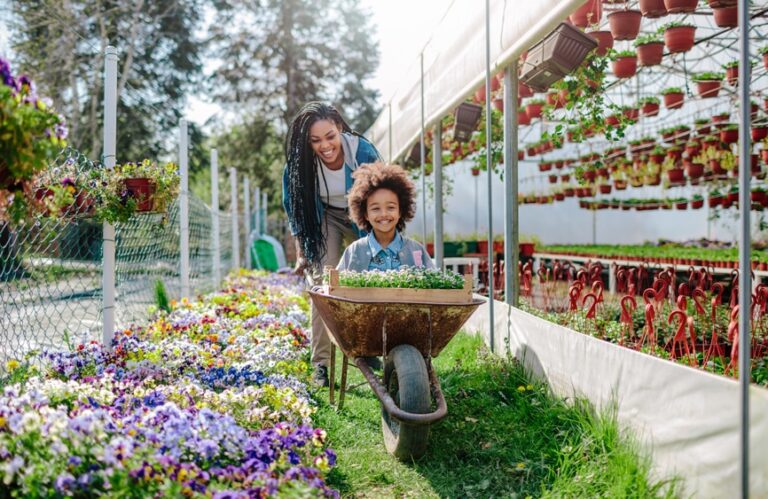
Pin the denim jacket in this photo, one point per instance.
(357, 151)
(358, 255)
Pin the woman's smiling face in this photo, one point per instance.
(325, 139)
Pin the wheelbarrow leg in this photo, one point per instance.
(332, 376)
(343, 387)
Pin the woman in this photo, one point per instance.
(321, 153)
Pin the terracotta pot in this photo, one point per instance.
(721, 3)
(604, 41)
(703, 129)
(694, 170)
(553, 179)
(726, 17)
(590, 12)
(625, 67)
(656, 158)
(697, 204)
(523, 118)
(650, 54)
(632, 114)
(545, 167)
(650, 109)
(675, 154)
(589, 175)
(480, 94)
(721, 118)
(764, 154)
(683, 205)
(475, 172)
(758, 196)
(765, 61)
(559, 196)
(625, 24)
(732, 75)
(524, 90)
(498, 104)
(692, 150)
(620, 185)
(759, 132)
(565, 178)
(714, 165)
(680, 6)
(569, 192)
(676, 175)
(605, 188)
(680, 38)
(652, 8)
(674, 100)
(715, 201)
(142, 190)
(708, 88)
(533, 110)
(611, 120)
(732, 197)
(729, 136)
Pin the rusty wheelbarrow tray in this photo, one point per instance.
(408, 334)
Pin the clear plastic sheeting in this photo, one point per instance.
(688, 418)
(454, 62)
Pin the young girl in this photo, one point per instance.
(381, 201)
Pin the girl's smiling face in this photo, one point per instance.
(325, 140)
(383, 213)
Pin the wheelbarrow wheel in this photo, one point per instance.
(407, 381)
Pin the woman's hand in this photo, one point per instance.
(301, 263)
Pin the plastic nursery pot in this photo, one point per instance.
(732, 75)
(721, 3)
(498, 104)
(759, 132)
(682, 205)
(676, 175)
(475, 172)
(650, 54)
(605, 188)
(523, 118)
(553, 179)
(604, 41)
(726, 17)
(652, 8)
(590, 12)
(524, 90)
(625, 67)
(142, 190)
(714, 201)
(697, 204)
(650, 109)
(716, 168)
(632, 113)
(674, 100)
(708, 88)
(694, 170)
(612, 120)
(625, 24)
(533, 110)
(680, 6)
(680, 38)
(730, 136)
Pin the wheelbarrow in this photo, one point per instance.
(408, 334)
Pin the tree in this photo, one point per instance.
(278, 54)
(63, 41)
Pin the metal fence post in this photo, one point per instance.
(489, 165)
(184, 209)
(215, 217)
(235, 228)
(437, 161)
(247, 222)
(108, 230)
(257, 210)
(265, 207)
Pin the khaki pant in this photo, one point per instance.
(338, 233)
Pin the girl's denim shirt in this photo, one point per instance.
(359, 256)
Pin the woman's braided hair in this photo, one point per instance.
(303, 182)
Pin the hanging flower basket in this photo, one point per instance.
(650, 54)
(650, 108)
(553, 179)
(726, 17)
(524, 90)
(522, 117)
(625, 65)
(681, 205)
(708, 84)
(694, 170)
(612, 120)
(680, 6)
(589, 13)
(142, 190)
(625, 24)
(605, 188)
(533, 109)
(604, 41)
(729, 134)
(759, 132)
(732, 73)
(697, 203)
(679, 38)
(498, 104)
(721, 3)
(673, 99)
(652, 8)
(475, 172)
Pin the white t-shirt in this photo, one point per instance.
(333, 188)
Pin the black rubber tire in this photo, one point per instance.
(407, 381)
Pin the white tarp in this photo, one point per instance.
(688, 418)
(454, 62)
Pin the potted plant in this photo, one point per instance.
(673, 97)
(715, 198)
(726, 17)
(702, 126)
(534, 107)
(588, 14)
(604, 42)
(624, 24)
(65, 189)
(680, 203)
(650, 49)
(732, 72)
(759, 132)
(678, 36)
(652, 8)
(680, 6)
(758, 195)
(729, 134)
(630, 113)
(697, 201)
(708, 83)
(649, 106)
(31, 135)
(764, 52)
(624, 64)
(522, 117)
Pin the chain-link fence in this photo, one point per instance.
(51, 265)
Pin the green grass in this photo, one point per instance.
(505, 436)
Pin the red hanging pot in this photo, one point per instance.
(682, 205)
(759, 132)
(721, 3)
(625, 67)
(533, 110)
(680, 6)
(764, 154)
(605, 188)
(475, 172)
(604, 41)
(726, 17)
(729, 136)
(611, 120)
(714, 165)
(650, 54)
(524, 90)
(674, 100)
(142, 190)
(765, 61)
(480, 94)
(632, 114)
(732, 75)
(697, 204)
(680, 38)
(498, 104)
(523, 118)
(694, 170)
(589, 13)
(708, 88)
(625, 24)
(520, 155)
(650, 109)
(652, 8)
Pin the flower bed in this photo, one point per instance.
(208, 400)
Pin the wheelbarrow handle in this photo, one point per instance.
(390, 406)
